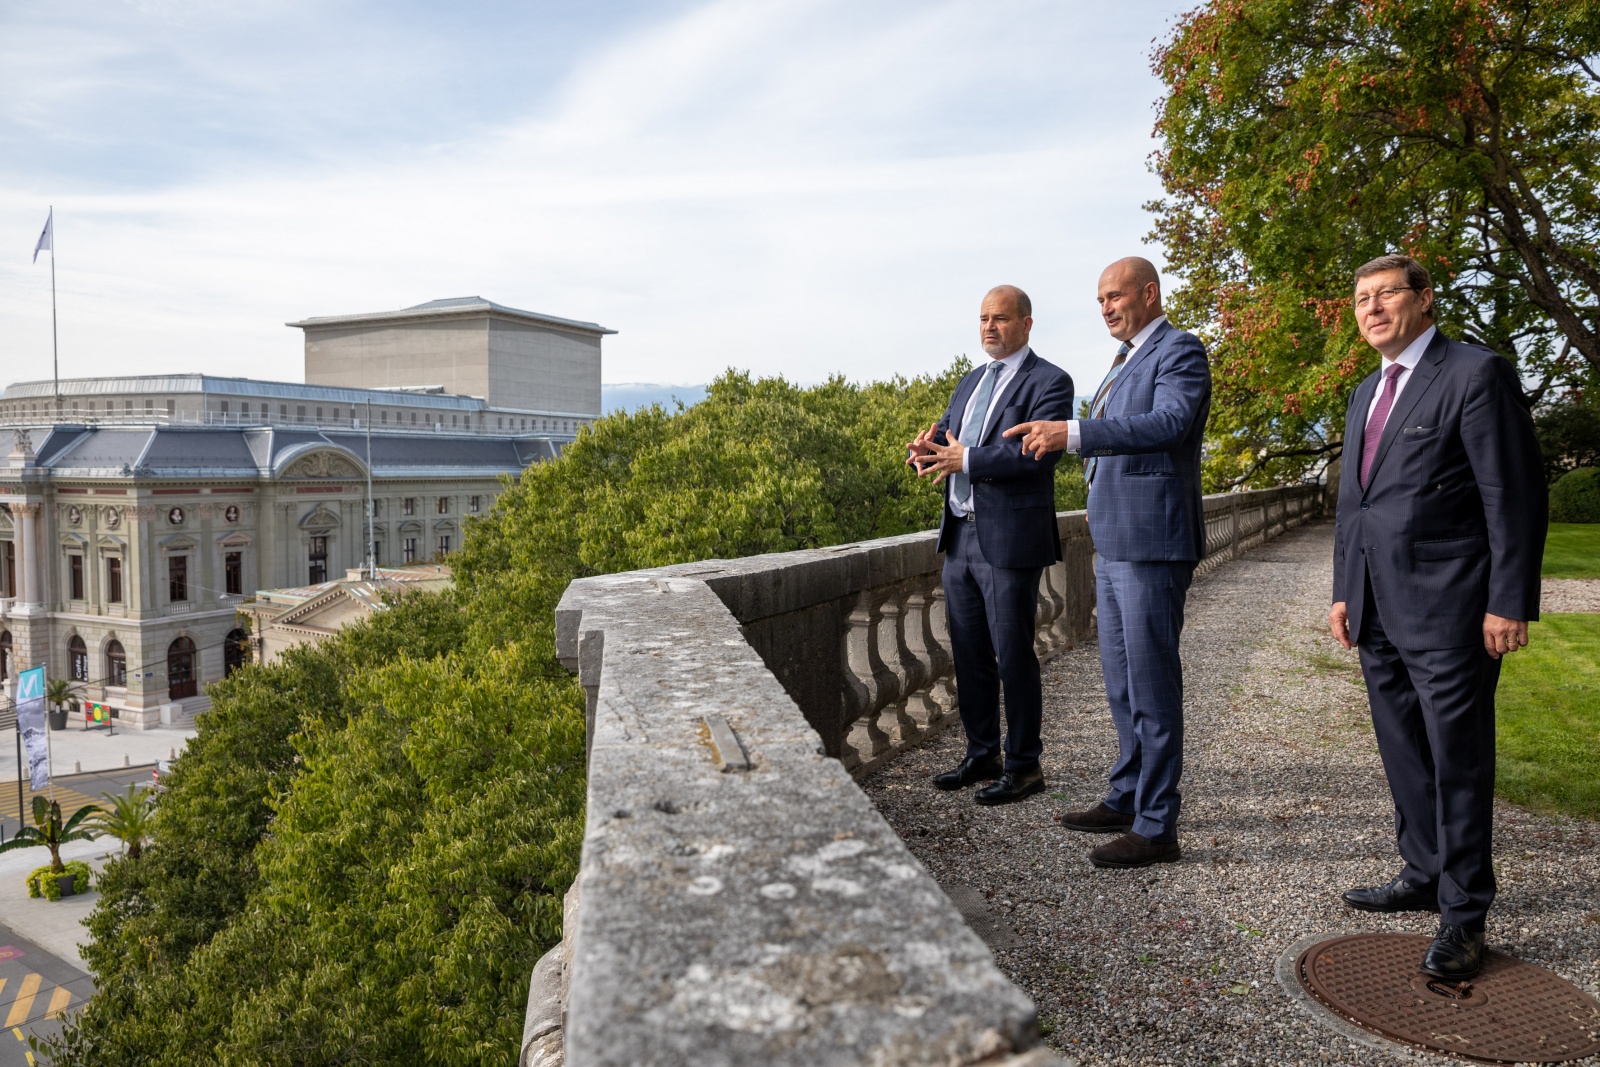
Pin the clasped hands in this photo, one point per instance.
(1500, 635)
(927, 456)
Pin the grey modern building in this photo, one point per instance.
(138, 513)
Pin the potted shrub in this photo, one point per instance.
(56, 694)
(44, 882)
(48, 830)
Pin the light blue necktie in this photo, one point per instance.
(1098, 408)
(972, 430)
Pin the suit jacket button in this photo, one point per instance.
(1365, 505)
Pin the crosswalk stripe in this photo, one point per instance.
(58, 1002)
(24, 1002)
(69, 799)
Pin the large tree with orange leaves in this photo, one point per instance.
(1304, 137)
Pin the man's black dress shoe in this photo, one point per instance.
(968, 771)
(1455, 954)
(1134, 850)
(1099, 819)
(1012, 786)
(1398, 895)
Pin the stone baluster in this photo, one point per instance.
(897, 670)
(919, 703)
(863, 683)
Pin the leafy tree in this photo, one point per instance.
(1569, 435)
(48, 831)
(1304, 137)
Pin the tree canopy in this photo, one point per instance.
(363, 853)
(1302, 138)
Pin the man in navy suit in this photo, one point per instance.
(1141, 448)
(998, 534)
(1440, 536)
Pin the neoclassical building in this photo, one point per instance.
(138, 514)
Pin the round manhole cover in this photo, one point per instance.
(1513, 1012)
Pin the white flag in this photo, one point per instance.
(46, 244)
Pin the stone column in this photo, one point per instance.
(29, 580)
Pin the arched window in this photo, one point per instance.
(78, 656)
(116, 664)
(181, 669)
(235, 651)
(5, 655)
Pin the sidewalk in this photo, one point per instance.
(76, 749)
(55, 927)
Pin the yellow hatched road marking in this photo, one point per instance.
(58, 1002)
(23, 1005)
(69, 799)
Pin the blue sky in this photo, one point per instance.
(797, 187)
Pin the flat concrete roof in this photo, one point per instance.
(453, 307)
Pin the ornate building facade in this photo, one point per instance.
(137, 515)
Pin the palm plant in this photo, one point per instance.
(51, 832)
(128, 819)
(57, 692)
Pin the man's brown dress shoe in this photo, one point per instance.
(1134, 850)
(1099, 819)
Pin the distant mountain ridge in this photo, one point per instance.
(631, 396)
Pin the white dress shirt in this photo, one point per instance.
(1008, 372)
(1407, 359)
(1073, 444)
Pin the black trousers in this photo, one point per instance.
(1433, 714)
(992, 611)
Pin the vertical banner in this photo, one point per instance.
(30, 721)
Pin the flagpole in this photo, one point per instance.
(55, 345)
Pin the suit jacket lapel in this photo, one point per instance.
(1139, 355)
(1422, 376)
(1356, 426)
(958, 402)
(996, 402)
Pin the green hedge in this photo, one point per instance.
(1576, 496)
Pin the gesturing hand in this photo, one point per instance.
(1040, 437)
(1502, 635)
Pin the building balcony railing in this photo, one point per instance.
(739, 898)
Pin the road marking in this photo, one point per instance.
(58, 1002)
(69, 799)
(24, 1002)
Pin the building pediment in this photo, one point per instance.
(177, 543)
(71, 540)
(320, 518)
(107, 543)
(316, 461)
(235, 539)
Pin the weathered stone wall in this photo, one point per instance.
(741, 899)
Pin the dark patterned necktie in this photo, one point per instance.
(1380, 415)
(1097, 408)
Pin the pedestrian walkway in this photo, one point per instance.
(77, 750)
(1285, 805)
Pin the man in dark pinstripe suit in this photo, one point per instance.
(1141, 449)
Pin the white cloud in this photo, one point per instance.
(801, 187)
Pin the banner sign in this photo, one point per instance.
(31, 724)
(96, 715)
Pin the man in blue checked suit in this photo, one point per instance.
(998, 534)
(1141, 449)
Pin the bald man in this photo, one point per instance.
(1141, 449)
(998, 534)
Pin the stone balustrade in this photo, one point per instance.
(739, 899)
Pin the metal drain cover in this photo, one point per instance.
(1513, 1012)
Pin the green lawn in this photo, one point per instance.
(1573, 550)
(1548, 720)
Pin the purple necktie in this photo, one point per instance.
(1380, 415)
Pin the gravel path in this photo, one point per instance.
(1285, 806)
(1570, 594)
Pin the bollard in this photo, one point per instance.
(77, 766)
(127, 761)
